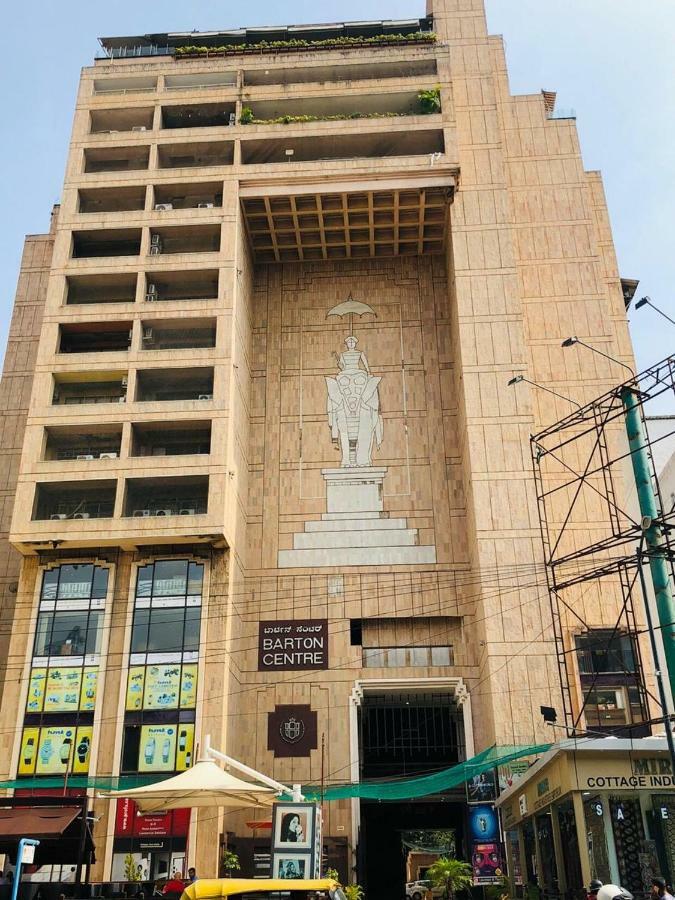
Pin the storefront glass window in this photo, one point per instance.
(595, 812)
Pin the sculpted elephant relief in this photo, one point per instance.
(353, 407)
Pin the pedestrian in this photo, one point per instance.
(174, 886)
(593, 888)
(660, 889)
(192, 875)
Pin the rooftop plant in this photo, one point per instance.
(301, 44)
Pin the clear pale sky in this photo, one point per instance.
(610, 60)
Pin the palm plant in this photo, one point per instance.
(452, 875)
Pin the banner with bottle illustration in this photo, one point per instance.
(46, 751)
(62, 689)
(166, 748)
(485, 838)
(170, 686)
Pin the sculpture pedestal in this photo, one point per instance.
(355, 531)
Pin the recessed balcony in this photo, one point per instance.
(94, 442)
(184, 239)
(163, 287)
(74, 500)
(171, 439)
(95, 337)
(106, 242)
(76, 388)
(108, 200)
(198, 115)
(165, 497)
(404, 68)
(167, 385)
(200, 81)
(200, 195)
(82, 290)
(115, 159)
(347, 107)
(178, 334)
(112, 121)
(375, 145)
(138, 85)
(195, 155)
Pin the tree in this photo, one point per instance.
(229, 861)
(452, 875)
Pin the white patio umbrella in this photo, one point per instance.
(205, 784)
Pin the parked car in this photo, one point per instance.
(418, 890)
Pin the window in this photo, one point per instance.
(612, 706)
(158, 748)
(166, 630)
(406, 657)
(77, 582)
(68, 633)
(170, 578)
(611, 686)
(602, 653)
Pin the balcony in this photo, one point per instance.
(178, 334)
(96, 442)
(125, 85)
(376, 145)
(112, 121)
(196, 155)
(342, 107)
(150, 497)
(75, 389)
(115, 159)
(404, 68)
(74, 500)
(85, 289)
(108, 242)
(200, 81)
(171, 439)
(98, 337)
(166, 286)
(203, 195)
(167, 385)
(107, 200)
(202, 115)
(185, 239)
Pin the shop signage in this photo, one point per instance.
(129, 823)
(291, 731)
(300, 645)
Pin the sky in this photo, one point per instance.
(609, 60)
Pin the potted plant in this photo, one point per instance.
(353, 892)
(229, 862)
(452, 875)
(429, 101)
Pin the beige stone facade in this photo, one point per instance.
(478, 242)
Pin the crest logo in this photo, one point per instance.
(292, 730)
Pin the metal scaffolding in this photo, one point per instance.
(602, 518)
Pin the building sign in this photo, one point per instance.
(62, 689)
(291, 731)
(295, 646)
(129, 823)
(47, 751)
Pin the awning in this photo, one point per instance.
(57, 828)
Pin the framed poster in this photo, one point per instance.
(293, 826)
(487, 864)
(482, 788)
(483, 823)
(292, 865)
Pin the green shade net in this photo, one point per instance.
(404, 789)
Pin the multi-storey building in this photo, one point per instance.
(273, 484)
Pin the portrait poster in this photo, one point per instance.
(486, 862)
(482, 788)
(293, 826)
(292, 865)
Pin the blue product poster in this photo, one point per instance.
(483, 823)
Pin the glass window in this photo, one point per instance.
(144, 581)
(440, 656)
(50, 583)
(166, 629)
(78, 581)
(373, 657)
(602, 654)
(419, 656)
(170, 578)
(68, 633)
(195, 578)
(192, 624)
(396, 657)
(606, 706)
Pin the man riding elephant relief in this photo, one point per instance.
(354, 407)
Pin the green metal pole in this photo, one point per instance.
(663, 589)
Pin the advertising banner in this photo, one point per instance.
(482, 788)
(166, 686)
(295, 646)
(166, 748)
(162, 687)
(486, 861)
(483, 823)
(129, 823)
(296, 830)
(62, 689)
(46, 751)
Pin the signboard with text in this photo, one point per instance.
(296, 646)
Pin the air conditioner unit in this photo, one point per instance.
(125, 382)
(85, 456)
(151, 293)
(58, 516)
(155, 245)
(81, 516)
(111, 455)
(162, 207)
(141, 513)
(121, 399)
(232, 119)
(205, 205)
(148, 335)
(205, 397)
(187, 512)
(139, 128)
(163, 512)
